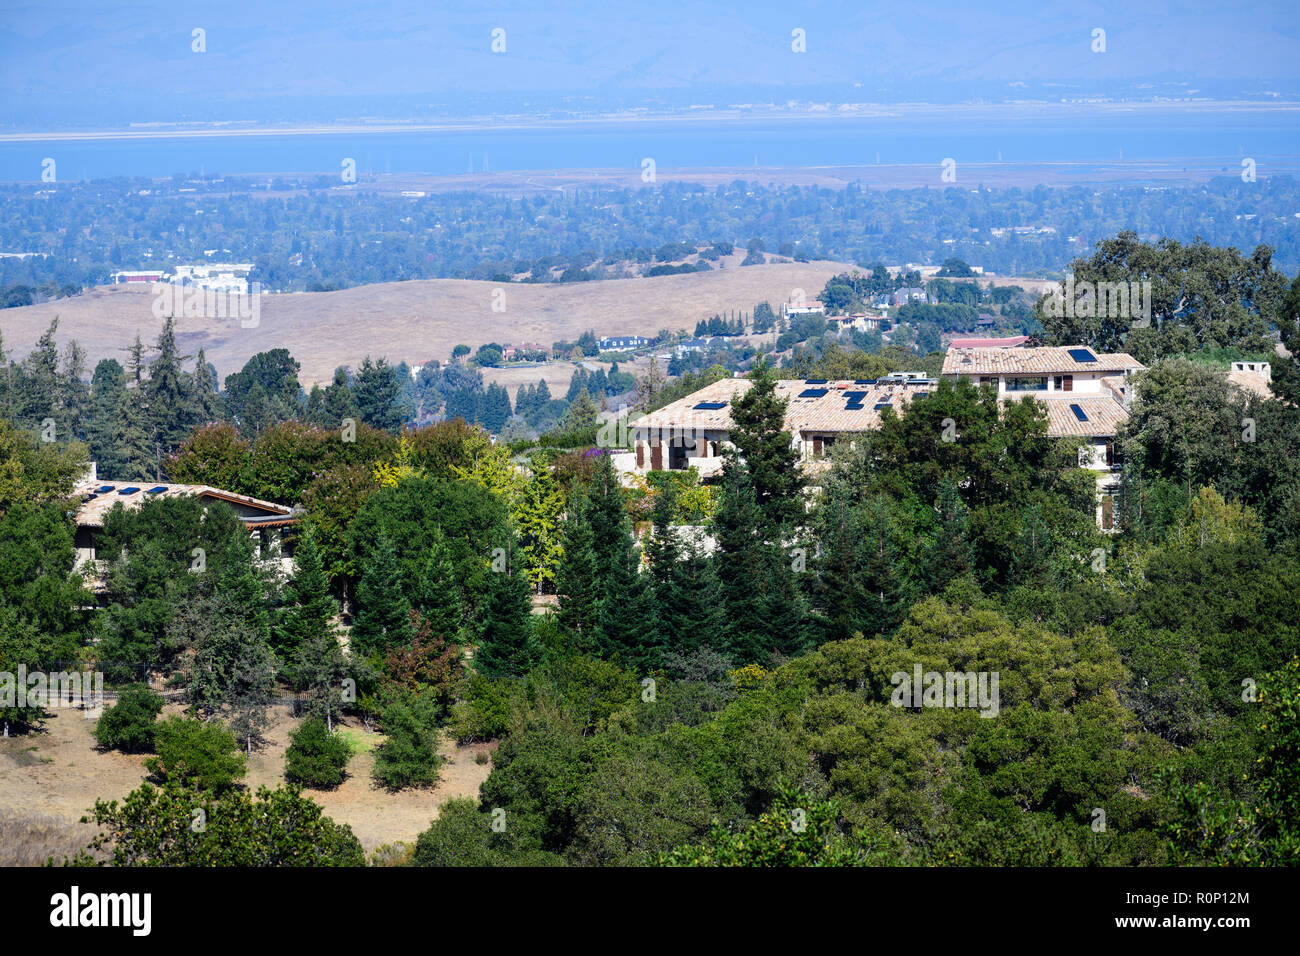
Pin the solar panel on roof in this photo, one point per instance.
(880, 405)
(864, 381)
(812, 393)
(128, 491)
(711, 406)
(814, 381)
(1079, 413)
(854, 406)
(103, 488)
(156, 489)
(1082, 355)
(919, 394)
(855, 396)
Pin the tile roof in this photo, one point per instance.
(1044, 360)
(1104, 416)
(96, 504)
(824, 413)
(828, 414)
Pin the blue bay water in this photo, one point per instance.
(1214, 136)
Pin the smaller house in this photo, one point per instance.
(1254, 377)
(909, 294)
(265, 520)
(700, 345)
(857, 320)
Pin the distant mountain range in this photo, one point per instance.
(80, 63)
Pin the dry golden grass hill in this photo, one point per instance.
(414, 321)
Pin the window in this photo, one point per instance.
(1064, 383)
(1027, 384)
(1108, 512)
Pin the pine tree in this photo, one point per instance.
(250, 692)
(888, 597)
(203, 391)
(383, 616)
(135, 449)
(436, 594)
(38, 385)
(741, 564)
(505, 628)
(74, 396)
(309, 609)
(952, 554)
(576, 583)
(104, 425)
(319, 669)
(620, 622)
(340, 401)
(582, 413)
(168, 400)
(378, 395)
(760, 439)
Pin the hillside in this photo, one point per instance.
(413, 321)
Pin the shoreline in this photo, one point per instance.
(1024, 110)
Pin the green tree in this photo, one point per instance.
(505, 645)
(576, 584)
(129, 724)
(408, 757)
(537, 518)
(194, 752)
(155, 827)
(383, 612)
(378, 395)
(764, 446)
(308, 607)
(316, 758)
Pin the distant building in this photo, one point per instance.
(909, 294)
(700, 345)
(622, 343)
(215, 276)
(1255, 377)
(857, 320)
(146, 276)
(808, 308)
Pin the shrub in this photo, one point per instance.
(129, 724)
(316, 758)
(408, 757)
(204, 754)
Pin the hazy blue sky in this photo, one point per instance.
(81, 62)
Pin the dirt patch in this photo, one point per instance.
(49, 780)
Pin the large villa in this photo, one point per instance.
(1086, 394)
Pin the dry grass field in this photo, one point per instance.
(48, 780)
(414, 321)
